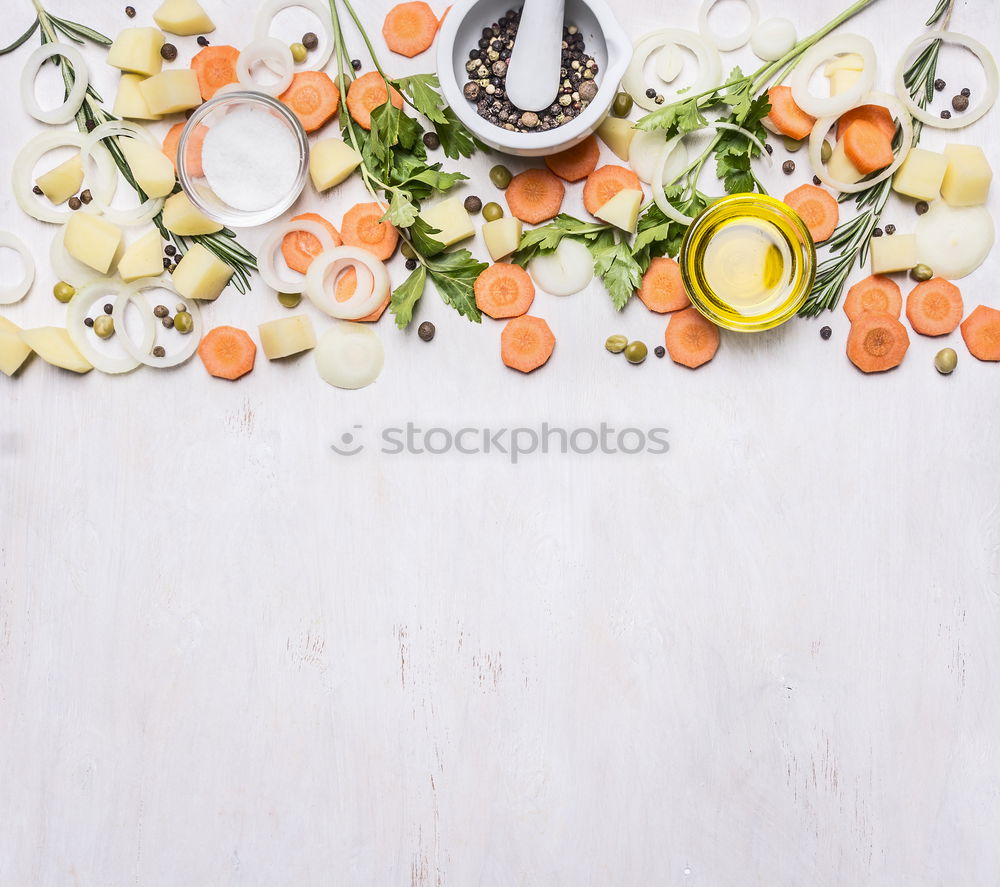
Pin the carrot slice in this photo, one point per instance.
(366, 94)
(934, 307)
(691, 339)
(227, 352)
(605, 183)
(877, 114)
(662, 288)
(504, 290)
(299, 248)
(875, 293)
(867, 146)
(313, 98)
(526, 343)
(981, 332)
(877, 342)
(172, 141)
(535, 196)
(788, 118)
(577, 162)
(215, 66)
(346, 284)
(410, 28)
(362, 227)
(444, 15)
(817, 208)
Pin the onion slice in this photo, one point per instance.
(81, 79)
(834, 105)
(668, 63)
(727, 42)
(349, 355)
(84, 338)
(273, 52)
(658, 184)
(372, 282)
(749, 136)
(822, 127)
(265, 259)
(954, 241)
(144, 351)
(14, 292)
(316, 60)
(67, 267)
(145, 212)
(972, 114)
(565, 271)
(773, 39)
(709, 63)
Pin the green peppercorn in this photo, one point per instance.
(791, 145)
(500, 176)
(921, 272)
(622, 105)
(635, 352)
(104, 326)
(616, 344)
(184, 322)
(290, 300)
(945, 361)
(407, 250)
(492, 212)
(826, 152)
(63, 291)
(299, 53)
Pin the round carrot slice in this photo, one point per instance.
(662, 288)
(867, 146)
(313, 98)
(504, 290)
(535, 196)
(981, 332)
(362, 227)
(877, 114)
(410, 28)
(874, 293)
(605, 183)
(526, 343)
(346, 284)
(934, 307)
(227, 352)
(215, 67)
(691, 339)
(577, 162)
(788, 118)
(366, 94)
(817, 208)
(299, 248)
(877, 342)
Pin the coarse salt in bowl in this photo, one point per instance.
(243, 158)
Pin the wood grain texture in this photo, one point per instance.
(230, 657)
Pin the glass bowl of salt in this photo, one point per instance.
(243, 158)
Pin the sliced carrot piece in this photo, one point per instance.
(366, 94)
(504, 290)
(299, 248)
(577, 162)
(362, 227)
(662, 288)
(227, 352)
(867, 146)
(877, 342)
(172, 141)
(313, 98)
(347, 283)
(605, 183)
(877, 114)
(444, 15)
(535, 196)
(875, 293)
(526, 343)
(934, 307)
(410, 28)
(981, 332)
(788, 118)
(817, 208)
(691, 339)
(215, 66)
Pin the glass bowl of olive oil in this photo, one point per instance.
(748, 262)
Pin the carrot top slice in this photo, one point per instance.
(577, 162)
(877, 342)
(981, 332)
(526, 343)
(535, 196)
(691, 339)
(874, 293)
(662, 288)
(410, 28)
(788, 118)
(817, 208)
(867, 146)
(366, 94)
(313, 98)
(215, 67)
(227, 352)
(934, 307)
(504, 290)
(876, 114)
(605, 182)
(299, 248)
(362, 227)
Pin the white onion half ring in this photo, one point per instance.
(142, 353)
(67, 267)
(822, 127)
(727, 42)
(265, 258)
(974, 113)
(13, 292)
(275, 53)
(659, 197)
(142, 214)
(709, 63)
(834, 105)
(22, 175)
(349, 355)
(81, 79)
(84, 338)
(316, 60)
(368, 294)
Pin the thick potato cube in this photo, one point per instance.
(185, 18)
(622, 210)
(130, 102)
(839, 166)
(502, 236)
(153, 171)
(895, 253)
(180, 216)
(13, 349)
(137, 50)
(92, 240)
(842, 80)
(617, 134)
(921, 174)
(144, 258)
(451, 219)
(201, 274)
(53, 345)
(171, 91)
(63, 181)
(330, 162)
(287, 336)
(968, 177)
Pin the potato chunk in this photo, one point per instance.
(130, 102)
(502, 236)
(201, 274)
(921, 174)
(180, 216)
(968, 177)
(137, 50)
(14, 350)
(144, 258)
(63, 181)
(895, 253)
(185, 18)
(92, 240)
(287, 336)
(53, 345)
(622, 210)
(171, 91)
(840, 168)
(451, 219)
(617, 134)
(153, 171)
(331, 161)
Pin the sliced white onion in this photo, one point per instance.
(668, 63)
(834, 105)
(727, 42)
(564, 272)
(142, 214)
(749, 136)
(67, 267)
(989, 95)
(659, 183)
(81, 79)
(709, 63)
(317, 59)
(14, 292)
(279, 59)
(84, 337)
(268, 250)
(349, 355)
(773, 39)
(144, 351)
(954, 240)
(370, 291)
(22, 175)
(644, 152)
(822, 127)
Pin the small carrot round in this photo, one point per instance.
(526, 343)
(934, 307)
(817, 208)
(215, 67)
(981, 332)
(299, 248)
(877, 342)
(605, 182)
(874, 293)
(362, 227)
(504, 290)
(172, 141)
(662, 288)
(313, 98)
(227, 352)
(410, 28)
(867, 146)
(876, 114)
(366, 94)
(788, 118)
(577, 162)
(535, 196)
(346, 284)
(691, 339)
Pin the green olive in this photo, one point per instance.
(791, 145)
(299, 52)
(500, 176)
(184, 322)
(104, 326)
(407, 250)
(945, 361)
(616, 344)
(492, 212)
(635, 352)
(63, 291)
(921, 272)
(290, 300)
(826, 152)
(622, 105)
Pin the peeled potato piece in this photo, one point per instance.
(53, 345)
(287, 336)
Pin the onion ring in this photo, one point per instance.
(265, 256)
(76, 312)
(658, 185)
(973, 114)
(709, 63)
(366, 297)
(67, 267)
(81, 79)
(24, 165)
(723, 42)
(316, 61)
(137, 215)
(14, 292)
(822, 127)
(134, 293)
(268, 49)
(834, 105)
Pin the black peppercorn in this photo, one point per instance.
(166, 263)
(86, 196)
(36, 190)
(168, 322)
(788, 167)
(817, 181)
(411, 264)
(130, 11)
(88, 321)
(356, 64)
(960, 103)
(939, 84)
(432, 141)
(966, 92)
(161, 311)
(203, 41)
(659, 351)
(170, 249)
(426, 331)
(826, 332)
(946, 114)
(159, 351)
(108, 308)
(877, 232)
(473, 204)
(74, 203)
(890, 230)
(921, 207)
(651, 93)
(168, 51)
(769, 149)
(310, 41)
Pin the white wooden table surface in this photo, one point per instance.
(229, 656)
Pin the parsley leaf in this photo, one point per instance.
(456, 140)
(617, 267)
(422, 237)
(454, 275)
(422, 90)
(547, 238)
(676, 118)
(402, 210)
(406, 295)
